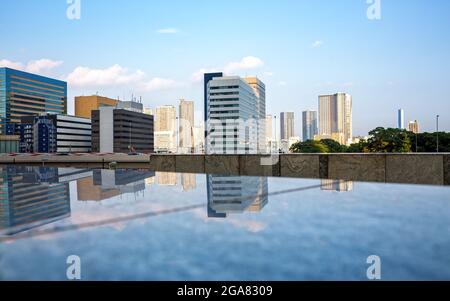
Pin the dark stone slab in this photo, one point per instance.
(163, 163)
(222, 164)
(259, 165)
(190, 163)
(357, 167)
(300, 166)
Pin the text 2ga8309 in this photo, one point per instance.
(247, 290)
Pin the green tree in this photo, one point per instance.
(334, 146)
(389, 141)
(310, 146)
(360, 147)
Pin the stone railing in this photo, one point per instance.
(432, 169)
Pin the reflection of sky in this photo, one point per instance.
(312, 234)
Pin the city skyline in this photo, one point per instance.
(177, 72)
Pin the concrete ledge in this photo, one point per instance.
(358, 167)
(163, 163)
(304, 166)
(190, 163)
(222, 164)
(446, 169)
(430, 169)
(416, 168)
(259, 165)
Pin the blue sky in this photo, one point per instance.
(300, 49)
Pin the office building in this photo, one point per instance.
(270, 140)
(310, 129)
(31, 197)
(287, 125)
(188, 181)
(413, 126)
(121, 131)
(401, 119)
(207, 77)
(9, 144)
(335, 118)
(199, 139)
(186, 126)
(26, 94)
(131, 106)
(336, 185)
(232, 117)
(230, 194)
(259, 88)
(50, 133)
(148, 111)
(165, 129)
(84, 105)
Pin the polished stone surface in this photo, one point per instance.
(369, 168)
(424, 169)
(446, 169)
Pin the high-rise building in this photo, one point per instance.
(188, 181)
(26, 94)
(199, 139)
(232, 117)
(309, 125)
(121, 131)
(207, 77)
(84, 105)
(259, 88)
(186, 126)
(269, 133)
(148, 111)
(230, 194)
(287, 125)
(50, 133)
(335, 118)
(401, 119)
(413, 126)
(165, 129)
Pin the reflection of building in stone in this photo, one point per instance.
(166, 178)
(337, 185)
(31, 197)
(150, 181)
(188, 181)
(230, 194)
(107, 183)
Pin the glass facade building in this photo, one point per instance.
(26, 94)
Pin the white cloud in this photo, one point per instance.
(157, 84)
(167, 30)
(317, 44)
(42, 65)
(247, 63)
(114, 75)
(12, 65)
(198, 75)
(35, 66)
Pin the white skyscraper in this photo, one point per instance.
(233, 116)
(335, 117)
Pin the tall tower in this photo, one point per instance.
(287, 125)
(309, 125)
(335, 117)
(186, 125)
(259, 88)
